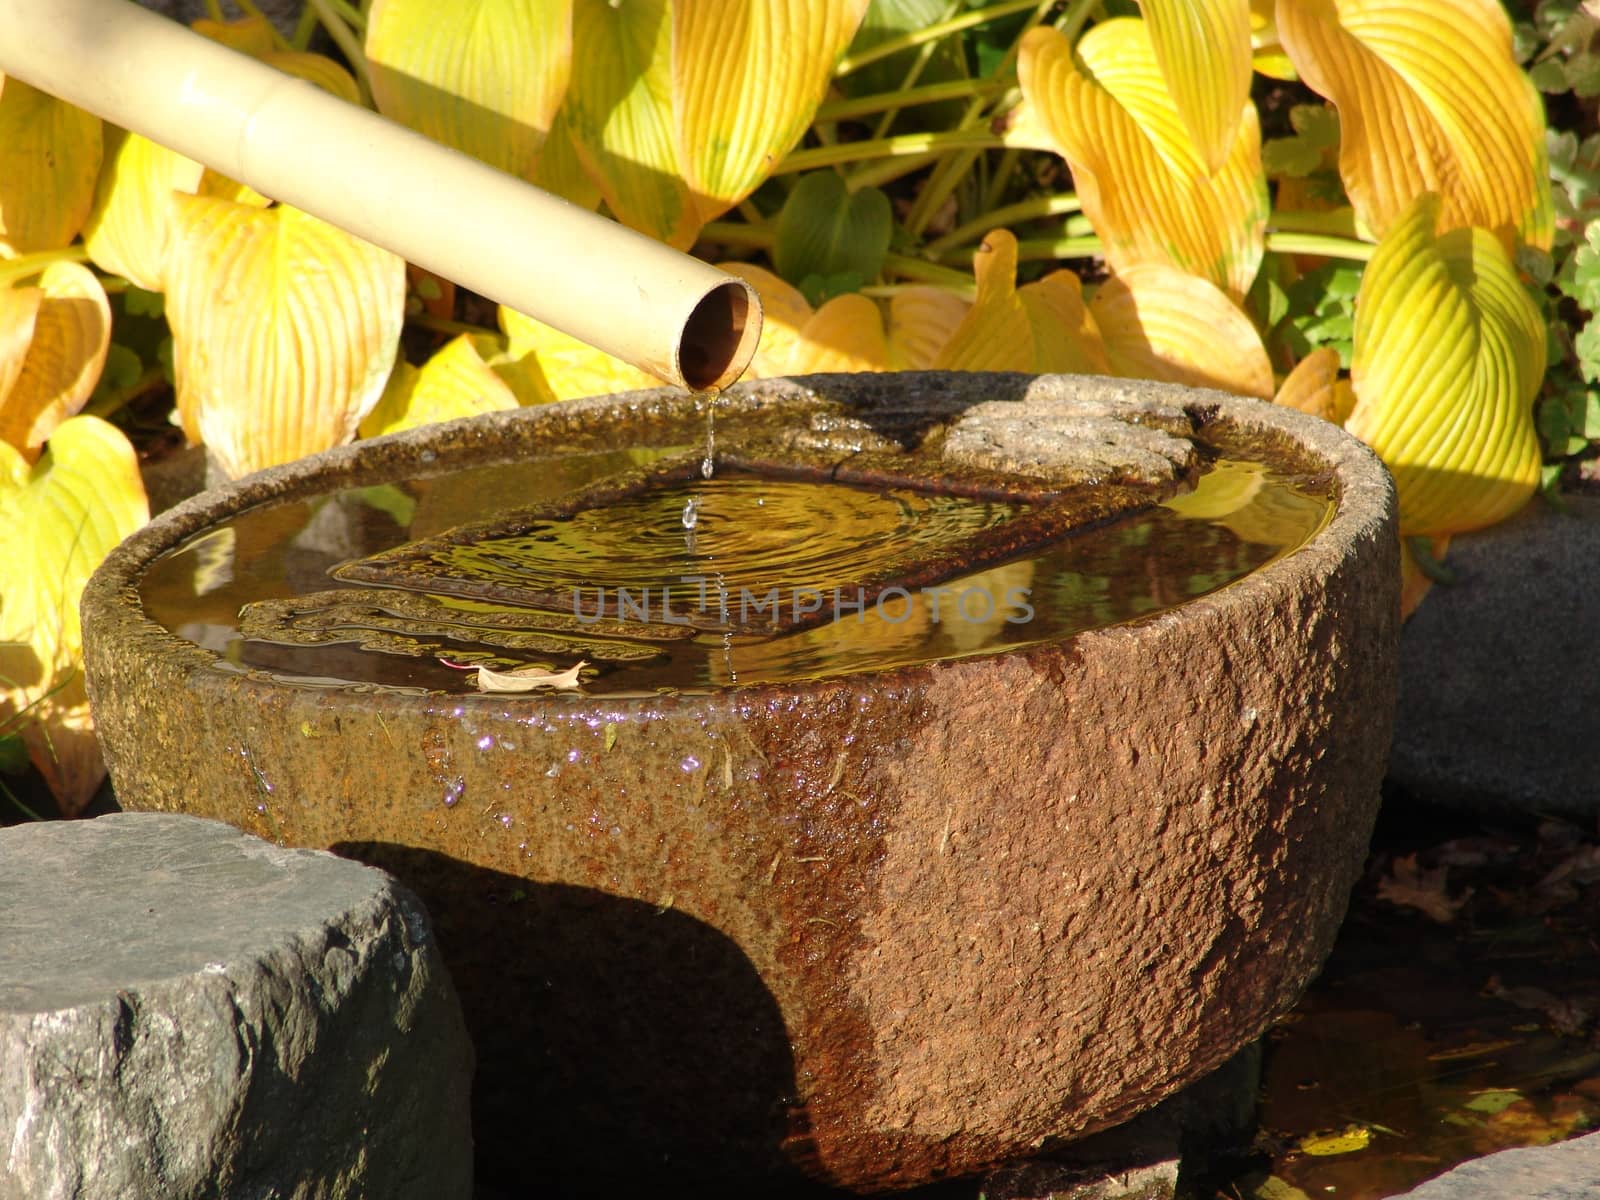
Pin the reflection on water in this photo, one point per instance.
(785, 579)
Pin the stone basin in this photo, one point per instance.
(876, 928)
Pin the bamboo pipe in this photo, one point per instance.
(669, 314)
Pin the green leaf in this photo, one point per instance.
(819, 289)
(1580, 274)
(137, 302)
(1316, 130)
(1587, 344)
(13, 754)
(1492, 1102)
(887, 19)
(823, 230)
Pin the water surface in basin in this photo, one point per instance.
(674, 587)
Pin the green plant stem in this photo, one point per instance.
(1032, 209)
(14, 270)
(214, 10)
(1341, 222)
(249, 9)
(732, 233)
(891, 147)
(928, 93)
(876, 174)
(349, 45)
(1048, 249)
(948, 174)
(914, 73)
(932, 33)
(304, 28)
(149, 379)
(923, 271)
(1324, 245)
(426, 320)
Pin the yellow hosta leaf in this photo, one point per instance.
(248, 35)
(746, 79)
(484, 76)
(318, 69)
(845, 334)
(1342, 1141)
(558, 170)
(129, 229)
(784, 315)
(1269, 56)
(1314, 387)
(921, 321)
(551, 365)
(130, 225)
(1144, 184)
(58, 520)
(284, 330)
(618, 113)
(455, 382)
(1430, 99)
(19, 311)
(1203, 47)
(1039, 327)
(1449, 352)
(1159, 323)
(49, 157)
(71, 335)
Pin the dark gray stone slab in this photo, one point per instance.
(1566, 1171)
(1499, 691)
(189, 1011)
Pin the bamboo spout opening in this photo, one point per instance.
(719, 336)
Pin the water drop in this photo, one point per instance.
(486, 742)
(453, 790)
(554, 770)
(691, 512)
(690, 764)
(505, 820)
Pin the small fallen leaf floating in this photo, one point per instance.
(528, 679)
(1409, 886)
(1343, 1141)
(611, 734)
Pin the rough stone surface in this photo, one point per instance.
(1499, 704)
(188, 1011)
(881, 929)
(1067, 442)
(1566, 1171)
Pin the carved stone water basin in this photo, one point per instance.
(876, 894)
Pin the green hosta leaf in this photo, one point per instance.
(137, 302)
(1316, 135)
(1587, 344)
(823, 230)
(1580, 274)
(891, 18)
(819, 289)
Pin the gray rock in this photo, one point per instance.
(1499, 699)
(188, 1011)
(1565, 1171)
(1067, 442)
